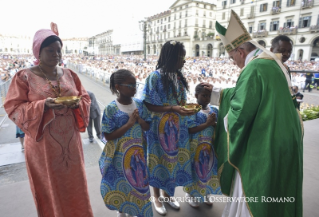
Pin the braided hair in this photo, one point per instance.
(119, 77)
(171, 54)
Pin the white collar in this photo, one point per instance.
(252, 54)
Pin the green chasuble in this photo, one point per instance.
(264, 142)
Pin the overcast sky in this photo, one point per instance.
(76, 18)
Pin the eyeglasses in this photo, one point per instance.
(231, 57)
(133, 86)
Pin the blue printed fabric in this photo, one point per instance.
(204, 160)
(125, 185)
(168, 150)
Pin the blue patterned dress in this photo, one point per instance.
(204, 160)
(168, 151)
(124, 185)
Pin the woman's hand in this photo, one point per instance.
(182, 111)
(50, 104)
(74, 106)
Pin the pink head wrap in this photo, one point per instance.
(39, 37)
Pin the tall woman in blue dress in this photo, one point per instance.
(168, 152)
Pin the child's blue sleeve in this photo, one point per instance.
(143, 112)
(150, 92)
(191, 121)
(108, 121)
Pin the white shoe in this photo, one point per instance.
(161, 210)
(174, 204)
(192, 201)
(120, 214)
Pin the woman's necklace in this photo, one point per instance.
(58, 94)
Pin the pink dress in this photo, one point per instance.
(53, 147)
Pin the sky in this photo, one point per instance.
(80, 18)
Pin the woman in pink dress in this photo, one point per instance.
(53, 147)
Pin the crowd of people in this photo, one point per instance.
(158, 140)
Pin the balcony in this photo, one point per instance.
(164, 30)
(287, 31)
(185, 25)
(210, 27)
(275, 10)
(196, 25)
(314, 28)
(204, 26)
(250, 16)
(260, 33)
(307, 4)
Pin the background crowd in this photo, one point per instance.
(220, 72)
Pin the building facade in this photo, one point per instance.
(74, 45)
(15, 44)
(187, 21)
(103, 44)
(265, 19)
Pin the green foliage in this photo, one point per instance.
(310, 113)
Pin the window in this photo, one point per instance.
(210, 14)
(261, 26)
(180, 15)
(291, 3)
(274, 26)
(169, 19)
(232, 1)
(224, 3)
(196, 12)
(168, 34)
(223, 16)
(263, 7)
(185, 23)
(204, 14)
(276, 3)
(242, 12)
(185, 13)
(289, 23)
(318, 20)
(304, 22)
(250, 29)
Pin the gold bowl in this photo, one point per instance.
(68, 100)
(193, 107)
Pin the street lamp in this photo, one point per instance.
(144, 24)
(93, 44)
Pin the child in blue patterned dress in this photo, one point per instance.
(204, 161)
(168, 152)
(124, 185)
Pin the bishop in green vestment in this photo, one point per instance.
(259, 135)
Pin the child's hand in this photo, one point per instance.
(133, 118)
(211, 119)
